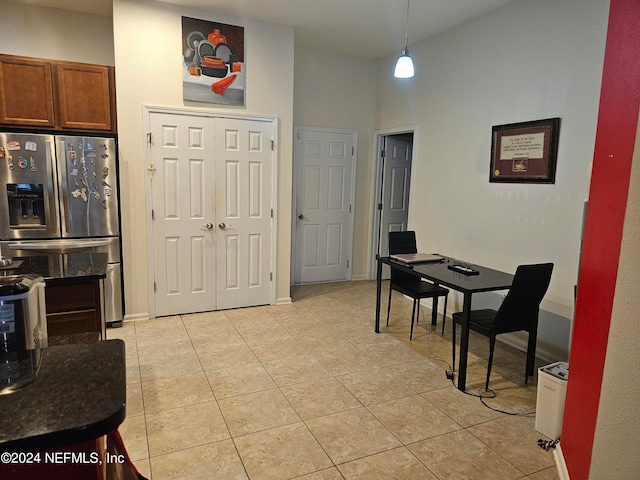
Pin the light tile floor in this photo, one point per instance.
(309, 391)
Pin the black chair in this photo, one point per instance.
(409, 284)
(519, 311)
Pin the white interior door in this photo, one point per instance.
(324, 189)
(183, 213)
(396, 156)
(244, 165)
(395, 188)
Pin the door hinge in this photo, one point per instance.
(347, 263)
(379, 206)
(272, 213)
(272, 145)
(153, 215)
(353, 150)
(149, 138)
(154, 286)
(271, 276)
(382, 153)
(298, 135)
(349, 208)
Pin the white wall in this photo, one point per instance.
(55, 34)
(338, 91)
(148, 58)
(526, 61)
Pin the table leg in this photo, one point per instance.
(464, 342)
(378, 294)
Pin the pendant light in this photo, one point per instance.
(404, 65)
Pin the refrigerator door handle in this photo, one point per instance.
(63, 186)
(65, 213)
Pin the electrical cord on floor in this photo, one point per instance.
(480, 395)
(437, 357)
(514, 414)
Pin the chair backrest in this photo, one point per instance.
(520, 308)
(402, 242)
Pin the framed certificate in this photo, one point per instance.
(525, 152)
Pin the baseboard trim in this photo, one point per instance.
(520, 343)
(135, 317)
(563, 473)
(284, 301)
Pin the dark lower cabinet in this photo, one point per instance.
(74, 306)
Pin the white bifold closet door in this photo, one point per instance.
(211, 195)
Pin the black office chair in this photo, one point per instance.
(519, 311)
(408, 284)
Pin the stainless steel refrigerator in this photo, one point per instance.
(59, 194)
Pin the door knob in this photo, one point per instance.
(222, 226)
(302, 217)
(209, 226)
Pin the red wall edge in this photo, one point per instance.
(615, 137)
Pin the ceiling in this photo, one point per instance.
(365, 28)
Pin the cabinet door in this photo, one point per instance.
(26, 92)
(84, 96)
(72, 295)
(70, 323)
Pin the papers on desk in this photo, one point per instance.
(411, 258)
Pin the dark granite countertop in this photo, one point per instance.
(78, 395)
(60, 266)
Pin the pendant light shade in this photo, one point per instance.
(404, 65)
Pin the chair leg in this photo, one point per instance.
(444, 314)
(389, 303)
(531, 356)
(492, 344)
(413, 316)
(453, 344)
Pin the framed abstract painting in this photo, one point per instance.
(213, 62)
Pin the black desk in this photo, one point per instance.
(487, 280)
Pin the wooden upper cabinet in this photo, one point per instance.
(56, 95)
(84, 96)
(26, 96)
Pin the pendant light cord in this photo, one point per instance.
(406, 30)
